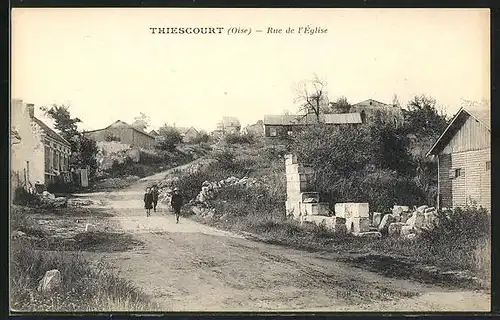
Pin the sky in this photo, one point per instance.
(107, 65)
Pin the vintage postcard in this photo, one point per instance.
(263, 160)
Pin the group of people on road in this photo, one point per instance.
(151, 201)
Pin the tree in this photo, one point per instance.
(141, 122)
(341, 105)
(67, 126)
(312, 96)
(423, 119)
(170, 137)
(83, 149)
(395, 101)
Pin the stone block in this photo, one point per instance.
(306, 195)
(314, 209)
(356, 225)
(398, 210)
(394, 229)
(352, 209)
(406, 230)
(386, 221)
(422, 208)
(377, 218)
(296, 177)
(290, 159)
(416, 221)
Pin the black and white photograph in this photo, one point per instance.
(250, 160)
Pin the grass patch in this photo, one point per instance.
(84, 287)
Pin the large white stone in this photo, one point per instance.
(386, 221)
(357, 225)
(398, 210)
(51, 281)
(377, 218)
(352, 209)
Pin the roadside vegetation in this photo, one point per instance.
(86, 286)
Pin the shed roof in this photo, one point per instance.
(51, 133)
(481, 115)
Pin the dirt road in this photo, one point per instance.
(193, 267)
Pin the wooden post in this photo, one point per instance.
(438, 196)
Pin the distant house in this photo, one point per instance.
(256, 129)
(187, 133)
(370, 108)
(153, 133)
(464, 160)
(39, 154)
(228, 125)
(287, 125)
(125, 133)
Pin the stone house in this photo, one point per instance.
(463, 153)
(124, 133)
(370, 108)
(256, 129)
(288, 125)
(228, 125)
(38, 153)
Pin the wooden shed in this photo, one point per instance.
(464, 160)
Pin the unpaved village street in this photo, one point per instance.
(193, 267)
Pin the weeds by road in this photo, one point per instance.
(86, 286)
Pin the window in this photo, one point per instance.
(488, 165)
(457, 172)
(47, 158)
(272, 132)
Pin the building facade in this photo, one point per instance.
(38, 153)
(123, 132)
(288, 125)
(188, 133)
(256, 129)
(370, 109)
(463, 152)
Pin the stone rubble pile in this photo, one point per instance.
(403, 222)
(49, 200)
(200, 204)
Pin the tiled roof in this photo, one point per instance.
(51, 133)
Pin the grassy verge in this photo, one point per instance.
(86, 285)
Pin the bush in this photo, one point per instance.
(201, 138)
(170, 138)
(257, 202)
(457, 234)
(235, 138)
(59, 186)
(23, 197)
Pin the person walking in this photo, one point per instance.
(148, 201)
(176, 203)
(155, 193)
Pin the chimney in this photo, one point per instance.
(31, 109)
